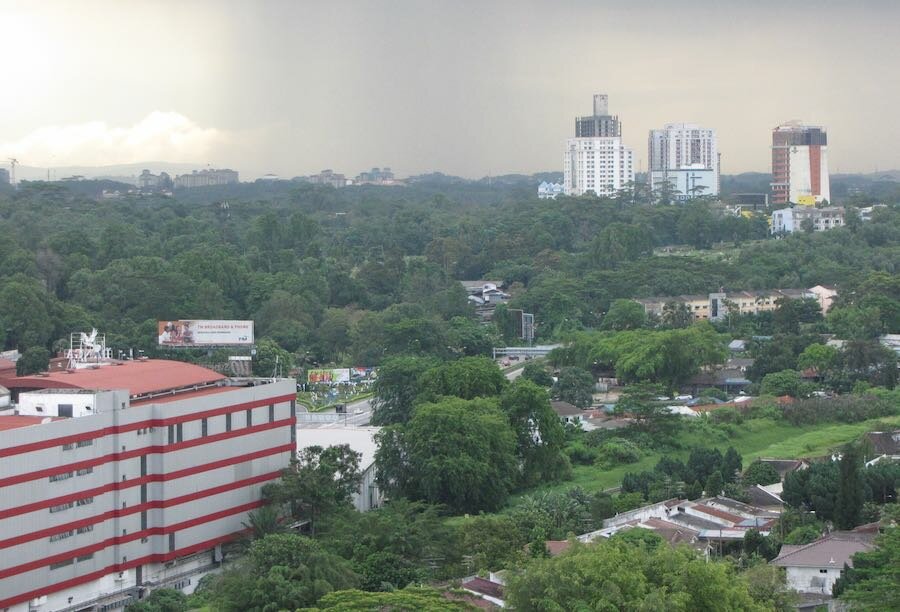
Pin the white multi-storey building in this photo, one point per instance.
(129, 476)
(687, 157)
(597, 160)
(790, 220)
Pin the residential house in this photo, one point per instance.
(814, 568)
(566, 412)
(885, 444)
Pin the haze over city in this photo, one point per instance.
(465, 88)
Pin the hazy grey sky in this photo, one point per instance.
(465, 87)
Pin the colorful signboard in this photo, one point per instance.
(202, 332)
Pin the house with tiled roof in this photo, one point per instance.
(813, 568)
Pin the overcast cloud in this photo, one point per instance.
(465, 87)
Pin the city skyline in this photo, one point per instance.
(461, 88)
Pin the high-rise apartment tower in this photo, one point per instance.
(687, 157)
(799, 164)
(596, 160)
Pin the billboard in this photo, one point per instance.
(328, 376)
(202, 332)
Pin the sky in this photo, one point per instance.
(465, 87)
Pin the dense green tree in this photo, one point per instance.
(536, 372)
(410, 599)
(767, 585)
(161, 600)
(454, 452)
(397, 388)
(732, 465)
(467, 378)
(639, 401)
(540, 436)
(493, 542)
(574, 385)
(624, 314)
(818, 356)
(35, 359)
(319, 480)
(873, 583)
(851, 490)
(282, 571)
(760, 473)
(617, 575)
(271, 360)
(786, 382)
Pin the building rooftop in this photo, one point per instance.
(139, 377)
(17, 421)
(832, 550)
(565, 408)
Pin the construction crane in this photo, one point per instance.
(13, 162)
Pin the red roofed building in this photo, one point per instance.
(139, 378)
(121, 477)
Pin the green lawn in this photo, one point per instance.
(753, 439)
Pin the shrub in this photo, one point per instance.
(581, 454)
(618, 451)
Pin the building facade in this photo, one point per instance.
(716, 306)
(549, 191)
(686, 156)
(597, 160)
(206, 178)
(127, 477)
(799, 218)
(800, 164)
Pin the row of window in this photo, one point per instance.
(176, 432)
(67, 562)
(79, 444)
(67, 475)
(80, 502)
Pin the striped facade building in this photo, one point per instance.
(127, 477)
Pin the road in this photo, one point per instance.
(359, 413)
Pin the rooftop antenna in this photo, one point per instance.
(13, 162)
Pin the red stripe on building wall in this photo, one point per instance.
(174, 420)
(146, 450)
(114, 541)
(194, 469)
(815, 169)
(118, 567)
(155, 504)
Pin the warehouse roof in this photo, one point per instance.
(139, 377)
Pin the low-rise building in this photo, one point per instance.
(803, 218)
(549, 191)
(566, 412)
(329, 177)
(716, 306)
(206, 178)
(814, 568)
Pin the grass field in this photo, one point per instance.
(753, 439)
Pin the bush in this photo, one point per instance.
(618, 451)
(842, 409)
(581, 454)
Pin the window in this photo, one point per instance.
(85, 529)
(85, 471)
(84, 501)
(180, 429)
(143, 465)
(60, 564)
(63, 476)
(61, 536)
(64, 410)
(143, 494)
(204, 428)
(171, 434)
(823, 571)
(83, 443)
(228, 422)
(271, 413)
(249, 417)
(60, 507)
(66, 447)
(86, 557)
(143, 521)
(171, 542)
